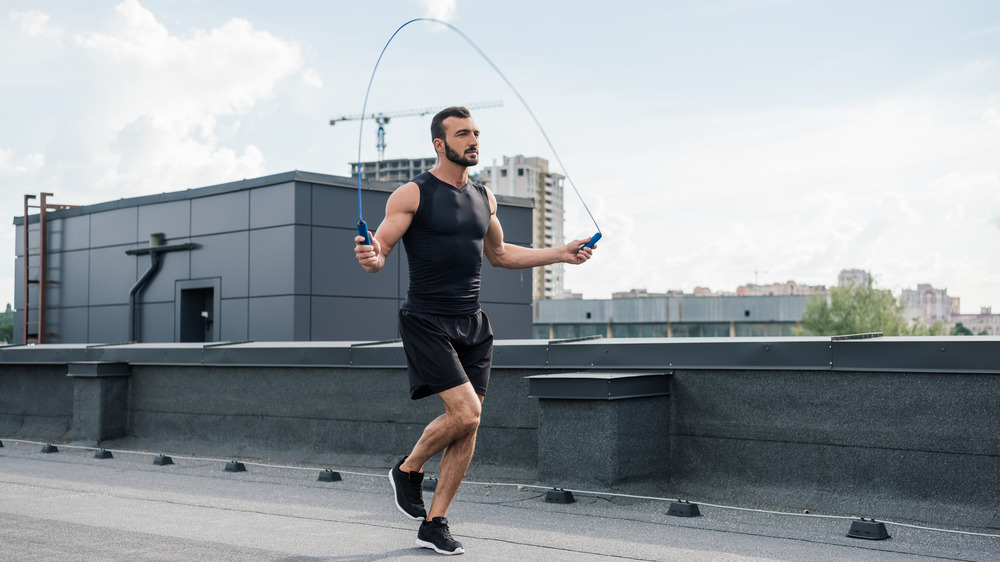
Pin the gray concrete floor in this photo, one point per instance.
(71, 506)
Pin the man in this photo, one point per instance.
(447, 224)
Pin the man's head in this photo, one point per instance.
(454, 134)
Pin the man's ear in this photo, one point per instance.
(439, 146)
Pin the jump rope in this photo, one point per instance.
(362, 226)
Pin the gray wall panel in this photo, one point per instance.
(233, 319)
(272, 261)
(114, 227)
(19, 240)
(338, 207)
(108, 324)
(173, 266)
(172, 219)
(271, 318)
(156, 322)
(67, 325)
(509, 321)
(226, 256)
(303, 266)
(18, 301)
(351, 319)
(302, 330)
(505, 285)
(112, 274)
(70, 233)
(69, 274)
(336, 272)
(220, 213)
(516, 223)
(19, 237)
(279, 205)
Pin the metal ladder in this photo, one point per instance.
(40, 278)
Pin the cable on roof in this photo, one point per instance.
(527, 486)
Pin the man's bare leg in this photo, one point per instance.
(454, 432)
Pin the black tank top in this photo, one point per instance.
(444, 247)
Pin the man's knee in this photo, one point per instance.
(467, 421)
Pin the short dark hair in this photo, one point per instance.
(437, 124)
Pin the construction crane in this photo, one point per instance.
(382, 119)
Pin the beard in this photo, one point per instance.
(461, 160)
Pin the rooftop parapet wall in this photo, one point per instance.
(782, 422)
(946, 354)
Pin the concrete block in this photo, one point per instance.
(603, 441)
(100, 400)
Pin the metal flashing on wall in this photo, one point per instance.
(694, 353)
(955, 354)
(153, 353)
(44, 354)
(380, 355)
(98, 369)
(520, 353)
(973, 354)
(298, 354)
(598, 386)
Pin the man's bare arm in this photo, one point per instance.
(399, 210)
(511, 256)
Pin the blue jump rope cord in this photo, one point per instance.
(498, 71)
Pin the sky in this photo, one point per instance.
(716, 142)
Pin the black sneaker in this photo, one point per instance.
(409, 491)
(435, 534)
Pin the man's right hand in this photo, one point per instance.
(370, 257)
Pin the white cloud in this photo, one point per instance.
(311, 78)
(162, 109)
(28, 165)
(438, 9)
(991, 117)
(35, 24)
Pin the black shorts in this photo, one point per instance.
(443, 352)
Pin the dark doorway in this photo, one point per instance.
(197, 314)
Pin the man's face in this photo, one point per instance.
(461, 144)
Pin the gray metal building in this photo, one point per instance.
(674, 316)
(265, 259)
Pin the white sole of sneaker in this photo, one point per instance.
(392, 481)
(431, 546)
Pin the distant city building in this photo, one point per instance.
(928, 305)
(857, 277)
(521, 176)
(669, 316)
(983, 323)
(643, 293)
(751, 311)
(779, 289)
(401, 170)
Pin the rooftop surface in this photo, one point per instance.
(70, 505)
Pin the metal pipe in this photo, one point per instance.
(154, 250)
(154, 265)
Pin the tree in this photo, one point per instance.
(859, 309)
(960, 330)
(7, 325)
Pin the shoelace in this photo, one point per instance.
(416, 493)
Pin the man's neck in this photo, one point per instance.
(451, 173)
